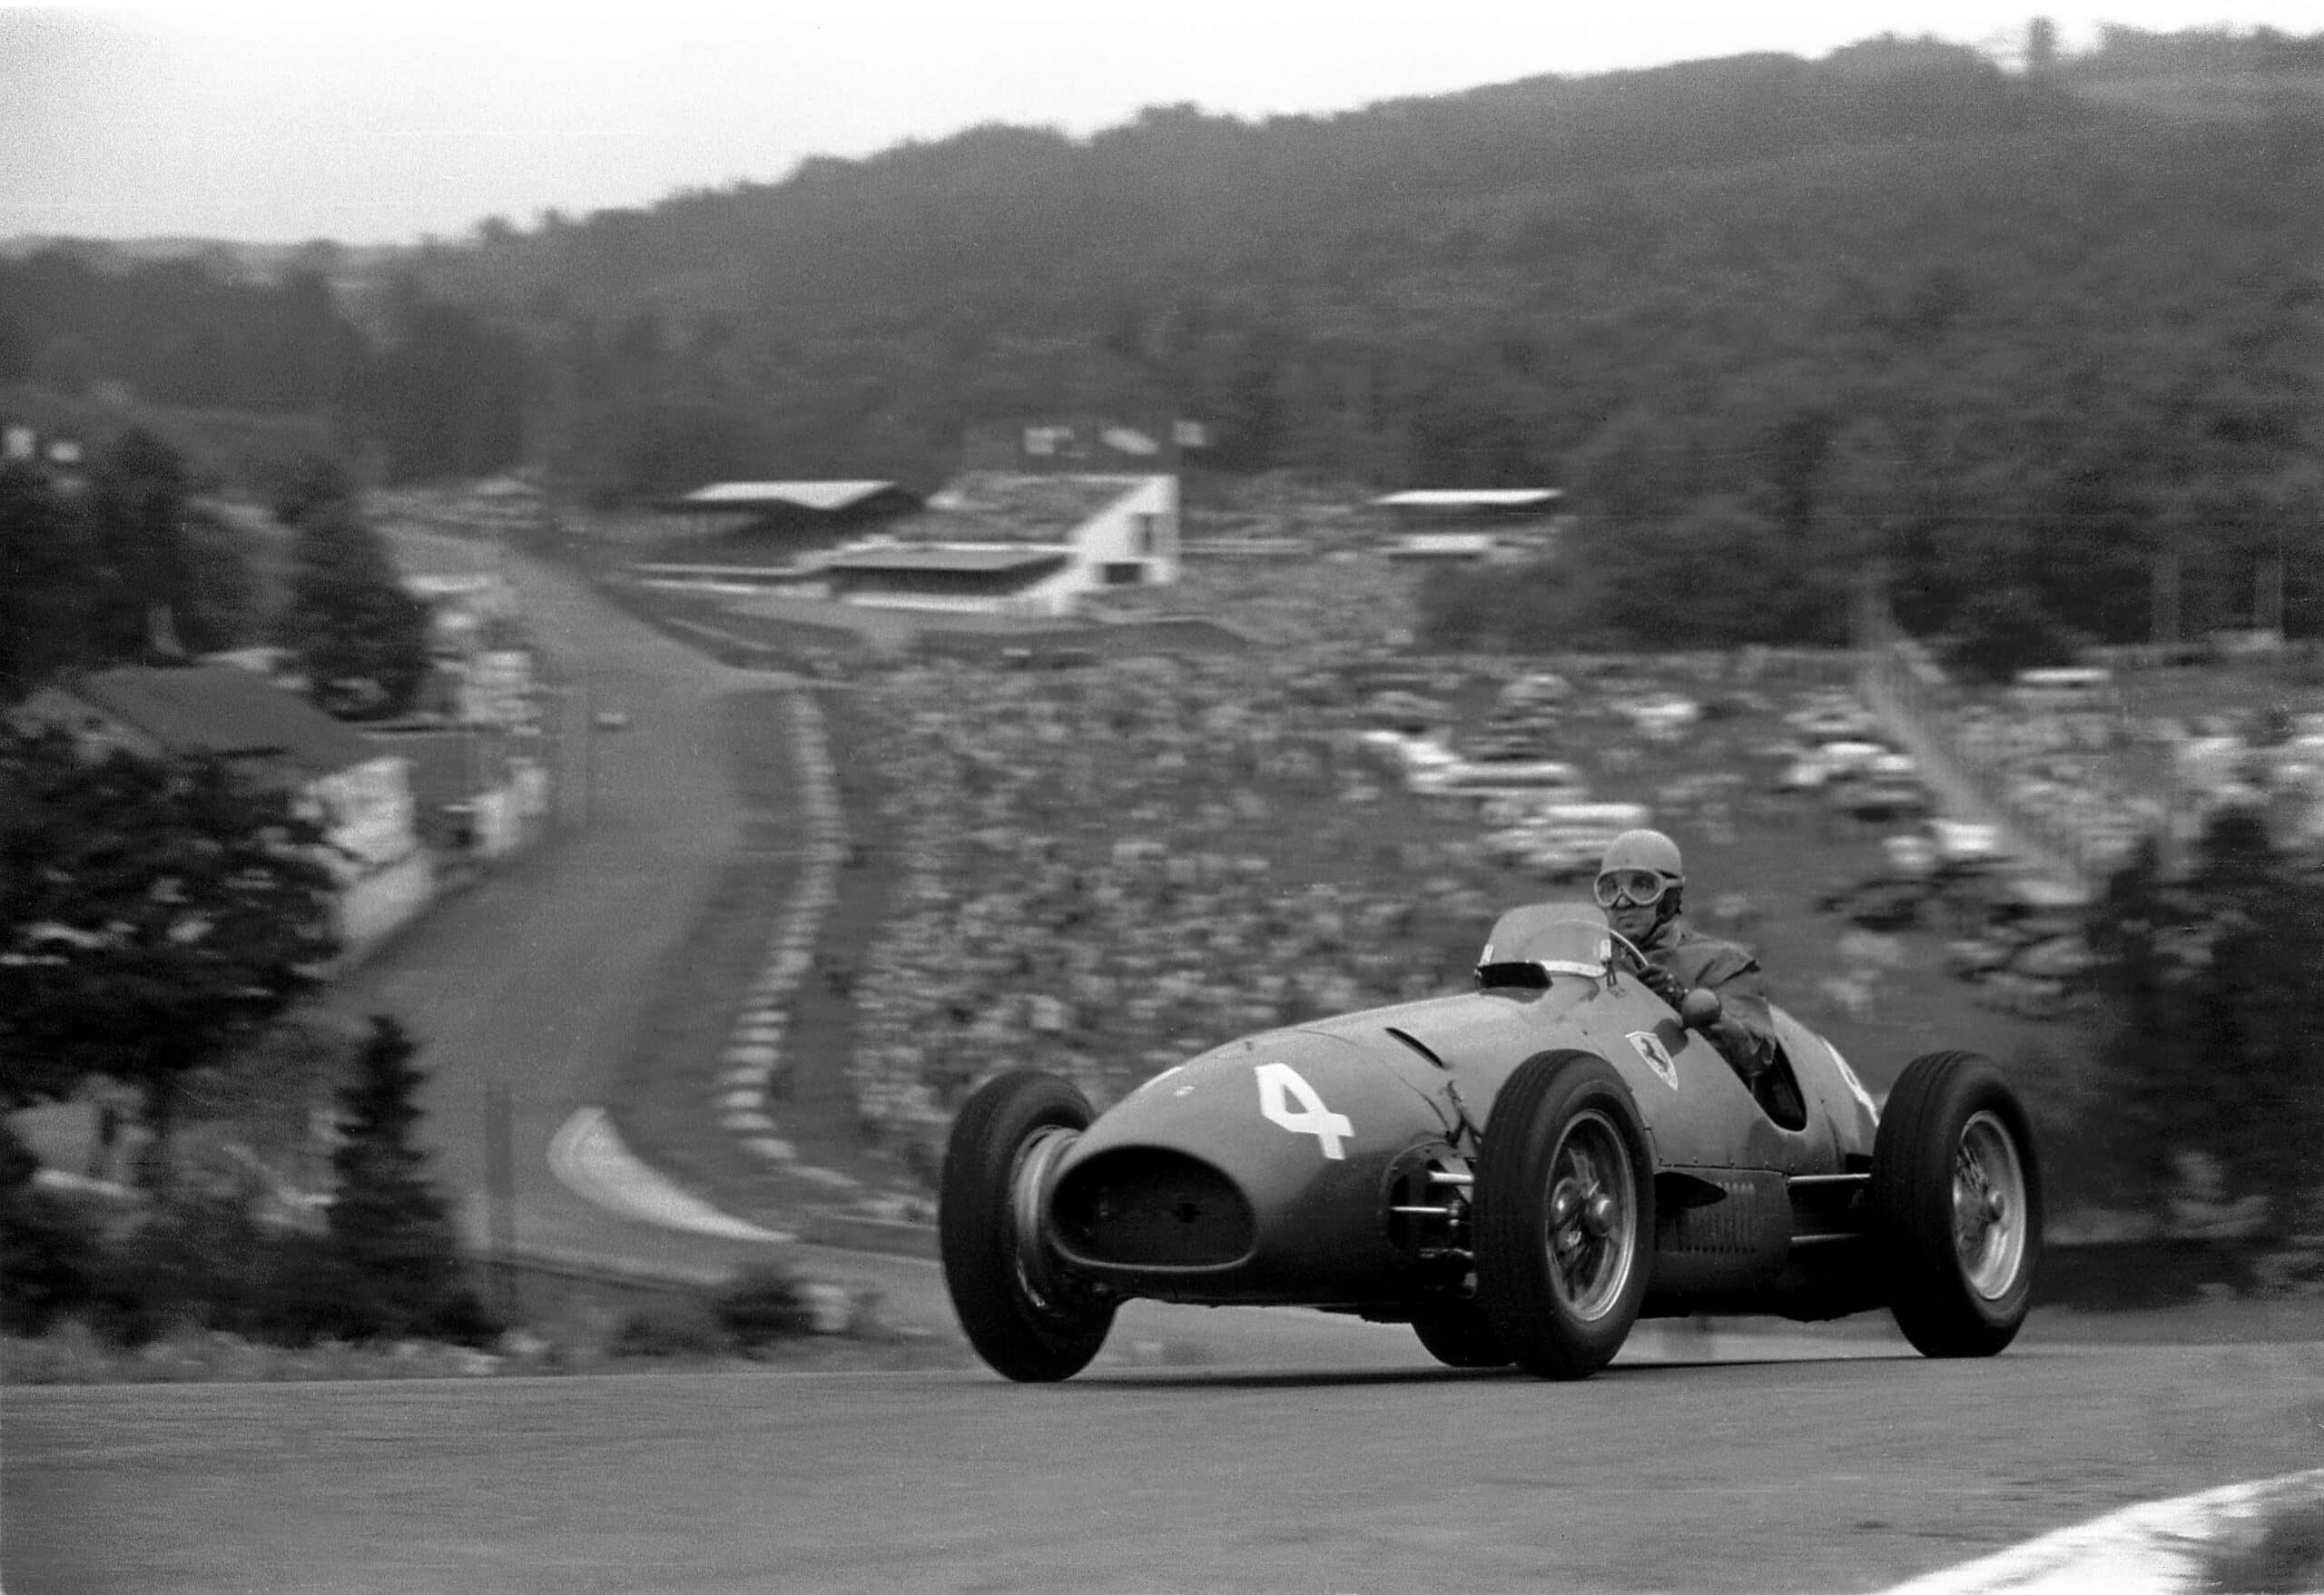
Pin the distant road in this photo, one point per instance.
(539, 975)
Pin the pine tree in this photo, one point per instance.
(360, 638)
(390, 1232)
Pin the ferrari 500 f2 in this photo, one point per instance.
(1520, 1171)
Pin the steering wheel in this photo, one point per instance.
(1616, 939)
(1648, 973)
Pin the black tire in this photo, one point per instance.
(1459, 1335)
(1024, 1312)
(1957, 1193)
(1560, 1278)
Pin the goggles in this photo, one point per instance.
(1634, 888)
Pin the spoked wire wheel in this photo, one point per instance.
(1990, 1210)
(1564, 1215)
(1046, 1291)
(1957, 1197)
(1024, 1310)
(1590, 1226)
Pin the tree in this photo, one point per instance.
(154, 914)
(2005, 630)
(389, 1231)
(2041, 45)
(145, 577)
(311, 483)
(2215, 1048)
(45, 553)
(1718, 575)
(48, 1249)
(219, 608)
(359, 637)
(99, 578)
(445, 395)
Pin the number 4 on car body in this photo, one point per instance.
(1280, 1085)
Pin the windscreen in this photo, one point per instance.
(1568, 938)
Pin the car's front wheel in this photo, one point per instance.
(1957, 1194)
(1024, 1311)
(1459, 1335)
(1564, 1216)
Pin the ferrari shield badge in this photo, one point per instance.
(1648, 1045)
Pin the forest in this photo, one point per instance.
(2011, 334)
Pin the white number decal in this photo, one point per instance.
(1279, 1086)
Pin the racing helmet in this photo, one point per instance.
(1640, 867)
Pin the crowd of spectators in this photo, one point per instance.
(2074, 779)
(2087, 781)
(1108, 871)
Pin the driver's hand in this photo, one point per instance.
(1662, 983)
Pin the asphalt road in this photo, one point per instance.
(1307, 1476)
(538, 976)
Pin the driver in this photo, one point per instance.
(1640, 881)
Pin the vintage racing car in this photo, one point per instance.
(1520, 1171)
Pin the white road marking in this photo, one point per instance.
(586, 1152)
(2151, 1549)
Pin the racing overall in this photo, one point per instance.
(1684, 960)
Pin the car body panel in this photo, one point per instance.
(1331, 1133)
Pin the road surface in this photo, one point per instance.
(1309, 1474)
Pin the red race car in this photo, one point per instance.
(1520, 1171)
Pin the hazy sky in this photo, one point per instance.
(368, 125)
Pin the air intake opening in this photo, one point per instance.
(1142, 1207)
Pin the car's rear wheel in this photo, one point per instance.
(1957, 1194)
(1459, 1335)
(1564, 1216)
(1026, 1312)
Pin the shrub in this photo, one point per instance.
(682, 1329)
(191, 1265)
(48, 1259)
(761, 1306)
(388, 1266)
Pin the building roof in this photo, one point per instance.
(1469, 498)
(453, 584)
(823, 495)
(1012, 507)
(948, 559)
(1443, 546)
(220, 709)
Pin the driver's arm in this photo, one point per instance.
(1746, 1031)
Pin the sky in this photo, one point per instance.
(280, 123)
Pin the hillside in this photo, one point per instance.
(1761, 316)
(2022, 328)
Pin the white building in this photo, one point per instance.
(1011, 543)
(359, 792)
(1474, 525)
